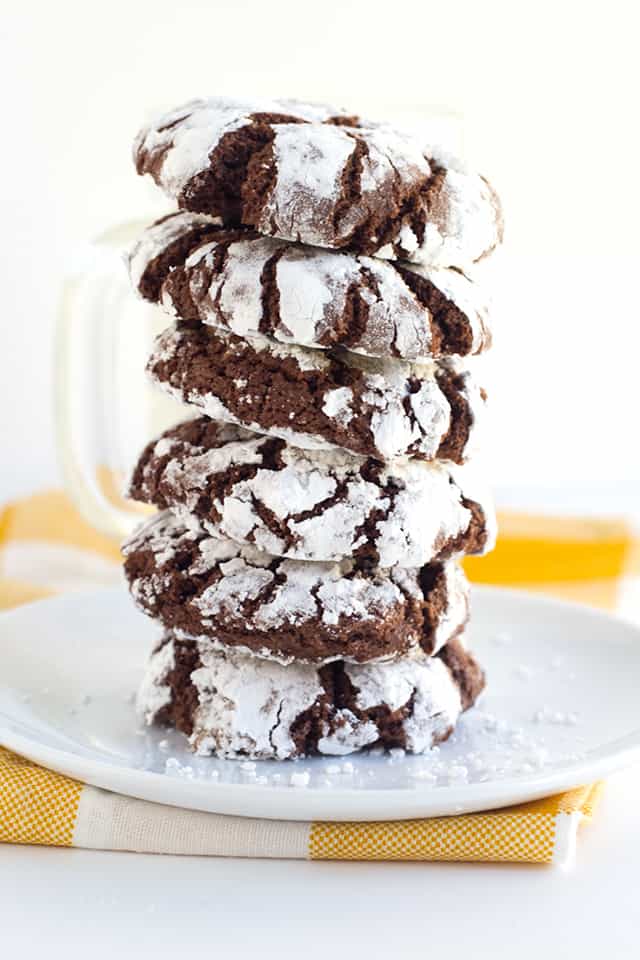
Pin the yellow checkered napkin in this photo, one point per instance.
(45, 547)
(39, 806)
(543, 831)
(36, 805)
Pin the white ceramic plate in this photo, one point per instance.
(561, 710)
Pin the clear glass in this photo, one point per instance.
(106, 411)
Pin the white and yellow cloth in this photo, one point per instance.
(45, 548)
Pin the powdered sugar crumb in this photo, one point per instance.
(300, 779)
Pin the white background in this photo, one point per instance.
(545, 94)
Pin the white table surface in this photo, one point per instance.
(75, 903)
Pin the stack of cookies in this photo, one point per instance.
(304, 565)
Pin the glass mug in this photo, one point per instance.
(106, 410)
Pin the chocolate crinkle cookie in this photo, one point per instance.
(327, 506)
(204, 273)
(289, 610)
(234, 706)
(312, 174)
(322, 400)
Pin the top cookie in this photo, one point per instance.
(311, 173)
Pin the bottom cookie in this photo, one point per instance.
(234, 705)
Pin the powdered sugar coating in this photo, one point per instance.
(152, 691)
(257, 598)
(364, 187)
(463, 221)
(457, 590)
(387, 409)
(249, 708)
(186, 136)
(153, 243)
(322, 298)
(310, 160)
(325, 506)
(436, 699)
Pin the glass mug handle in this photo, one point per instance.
(104, 409)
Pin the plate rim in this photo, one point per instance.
(283, 802)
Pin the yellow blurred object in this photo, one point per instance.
(574, 558)
(51, 518)
(15, 592)
(111, 483)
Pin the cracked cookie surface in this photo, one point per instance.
(235, 279)
(233, 706)
(260, 491)
(318, 400)
(313, 174)
(290, 609)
